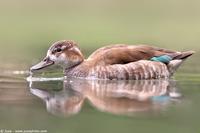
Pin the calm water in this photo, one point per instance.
(82, 106)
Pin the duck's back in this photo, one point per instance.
(123, 54)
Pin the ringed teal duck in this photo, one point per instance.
(118, 61)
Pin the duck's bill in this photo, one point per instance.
(45, 63)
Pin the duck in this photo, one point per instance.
(114, 62)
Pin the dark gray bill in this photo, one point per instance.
(44, 63)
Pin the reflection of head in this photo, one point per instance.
(65, 106)
(62, 103)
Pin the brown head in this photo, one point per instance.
(65, 53)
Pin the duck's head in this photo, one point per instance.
(65, 53)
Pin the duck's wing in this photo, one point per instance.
(163, 66)
(123, 54)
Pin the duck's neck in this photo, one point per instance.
(78, 70)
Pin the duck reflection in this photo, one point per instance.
(67, 97)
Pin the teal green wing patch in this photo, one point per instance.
(163, 58)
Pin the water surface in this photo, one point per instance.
(78, 105)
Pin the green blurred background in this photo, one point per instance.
(28, 27)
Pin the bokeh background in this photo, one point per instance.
(29, 27)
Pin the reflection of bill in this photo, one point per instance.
(116, 97)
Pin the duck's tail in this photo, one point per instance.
(177, 60)
(184, 55)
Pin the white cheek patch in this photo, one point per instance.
(62, 58)
(51, 56)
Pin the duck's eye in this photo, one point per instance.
(58, 50)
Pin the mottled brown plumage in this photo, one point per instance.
(114, 62)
